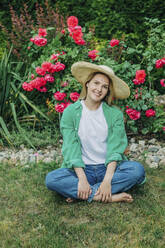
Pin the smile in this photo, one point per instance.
(96, 94)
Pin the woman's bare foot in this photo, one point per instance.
(121, 197)
(69, 200)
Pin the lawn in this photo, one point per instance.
(31, 216)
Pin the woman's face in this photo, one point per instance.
(97, 87)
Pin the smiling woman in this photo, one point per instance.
(94, 140)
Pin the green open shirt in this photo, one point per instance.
(69, 125)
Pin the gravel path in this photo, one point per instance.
(151, 151)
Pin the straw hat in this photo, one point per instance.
(83, 72)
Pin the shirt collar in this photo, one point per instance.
(78, 104)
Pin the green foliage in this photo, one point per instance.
(23, 22)
(124, 60)
(41, 134)
(112, 19)
(12, 101)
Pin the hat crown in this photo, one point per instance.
(107, 68)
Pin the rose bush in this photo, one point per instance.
(50, 74)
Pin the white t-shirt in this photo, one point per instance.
(93, 133)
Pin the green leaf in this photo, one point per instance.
(144, 107)
(3, 125)
(33, 106)
(19, 127)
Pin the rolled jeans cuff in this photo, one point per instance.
(94, 190)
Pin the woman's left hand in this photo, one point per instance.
(104, 191)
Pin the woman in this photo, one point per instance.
(94, 140)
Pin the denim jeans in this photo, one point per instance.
(65, 181)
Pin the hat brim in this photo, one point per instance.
(82, 71)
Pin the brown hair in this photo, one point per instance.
(110, 94)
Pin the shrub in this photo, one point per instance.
(135, 65)
(24, 23)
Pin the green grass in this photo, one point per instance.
(31, 216)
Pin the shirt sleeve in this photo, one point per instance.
(71, 148)
(117, 140)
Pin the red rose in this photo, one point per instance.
(67, 103)
(40, 71)
(93, 54)
(43, 89)
(74, 96)
(46, 66)
(32, 39)
(163, 128)
(39, 41)
(27, 86)
(80, 42)
(132, 113)
(59, 67)
(162, 82)
(63, 31)
(49, 78)
(55, 56)
(59, 96)
(140, 76)
(163, 61)
(114, 42)
(59, 107)
(39, 82)
(150, 112)
(42, 32)
(72, 21)
(159, 63)
(77, 35)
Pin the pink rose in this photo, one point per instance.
(162, 82)
(46, 66)
(42, 32)
(150, 112)
(67, 103)
(93, 54)
(59, 107)
(132, 113)
(163, 61)
(63, 31)
(40, 71)
(163, 128)
(77, 35)
(32, 39)
(59, 66)
(55, 56)
(114, 42)
(59, 96)
(38, 83)
(159, 63)
(43, 89)
(49, 78)
(32, 76)
(80, 42)
(27, 86)
(136, 82)
(64, 84)
(39, 41)
(74, 96)
(72, 21)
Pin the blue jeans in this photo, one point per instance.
(65, 181)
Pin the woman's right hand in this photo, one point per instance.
(84, 189)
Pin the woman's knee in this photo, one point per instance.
(138, 171)
(53, 178)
